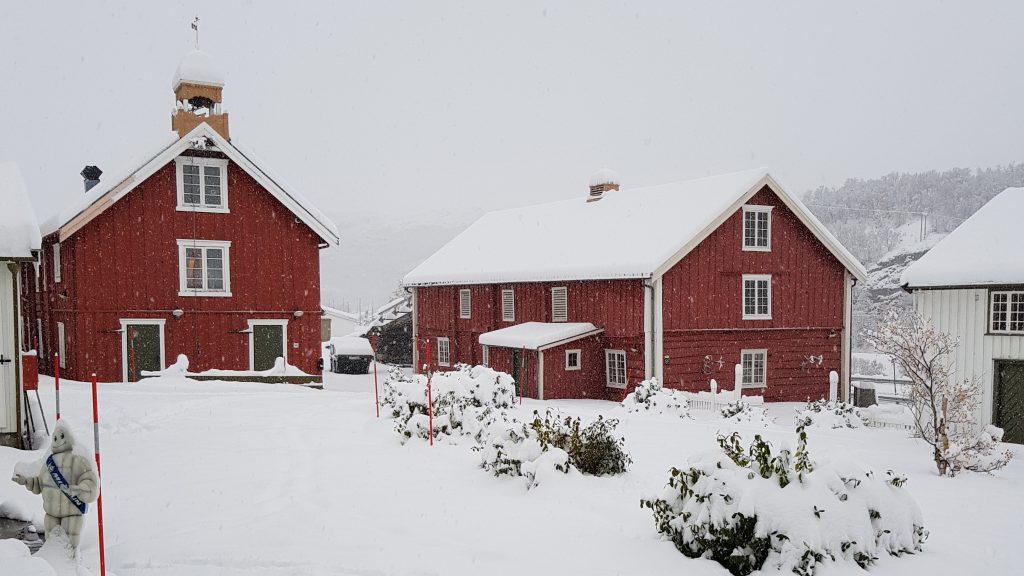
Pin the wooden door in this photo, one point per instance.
(268, 345)
(144, 350)
(1009, 400)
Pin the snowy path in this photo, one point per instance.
(226, 479)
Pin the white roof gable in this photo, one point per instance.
(89, 205)
(19, 230)
(985, 249)
(630, 233)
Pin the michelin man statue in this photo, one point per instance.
(67, 481)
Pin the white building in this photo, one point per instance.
(338, 322)
(971, 285)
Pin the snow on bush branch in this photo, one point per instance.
(944, 409)
(752, 509)
(830, 414)
(650, 396)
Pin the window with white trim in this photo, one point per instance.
(465, 303)
(757, 228)
(757, 297)
(1007, 312)
(444, 357)
(572, 359)
(559, 304)
(61, 346)
(204, 268)
(753, 362)
(508, 305)
(202, 184)
(56, 262)
(486, 355)
(615, 368)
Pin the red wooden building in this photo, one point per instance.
(195, 249)
(680, 281)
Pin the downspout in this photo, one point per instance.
(415, 332)
(845, 396)
(649, 319)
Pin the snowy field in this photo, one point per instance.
(208, 478)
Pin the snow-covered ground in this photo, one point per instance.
(229, 479)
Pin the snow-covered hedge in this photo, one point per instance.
(650, 396)
(465, 401)
(827, 414)
(752, 509)
(551, 444)
(744, 412)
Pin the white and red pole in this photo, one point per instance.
(56, 381)
(99, 499)
(376, 395)
(430, 402)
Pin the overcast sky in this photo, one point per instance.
(415, 110)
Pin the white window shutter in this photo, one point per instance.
(559, 304)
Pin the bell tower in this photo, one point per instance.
(198, 95)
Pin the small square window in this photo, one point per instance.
(202, 184)
(204, 268)
(572, 359)
(1007, 313)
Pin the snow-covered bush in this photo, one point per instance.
(465, 401)
(650, 396)
(829, 414)
(551, 443)
(944, 409)
(743, 412)
(752, 509)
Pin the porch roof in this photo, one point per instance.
(538, 335)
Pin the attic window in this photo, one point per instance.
(202, 184)
(757, 228)
(559, 304)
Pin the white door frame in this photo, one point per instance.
(284, 339)
(124, 341)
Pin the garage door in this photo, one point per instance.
(1009, 400)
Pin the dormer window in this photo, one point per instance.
(757, 228)
(202, 184)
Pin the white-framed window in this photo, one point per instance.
(202, 184)
(559, 304)
(757, 296)
(465, 303)
(1007, 312)
(757, 228)
(754, 364)
(572, 359)
(444, 357)
(508, 305)
(56, 262)
(615, 368)
(204, 268)
(61, 346)
(486, 355)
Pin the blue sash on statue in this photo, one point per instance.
(63, 486)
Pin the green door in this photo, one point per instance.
(1009, 392)
(143, 349)
(267, 345)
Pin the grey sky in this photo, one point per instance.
(411, 111)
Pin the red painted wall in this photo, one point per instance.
(124, 264)
(702, 301)
(588, 381)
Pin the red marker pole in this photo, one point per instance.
(376, 395)
(56, 381)
(522, 365)
(430, 402)
(99, 499)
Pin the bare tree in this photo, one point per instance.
(944, 408)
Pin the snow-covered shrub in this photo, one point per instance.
(650, 396)
(464, 401)
(743, 412)
(944, 408)
(829, 414)
(752, 509)
(551, 443)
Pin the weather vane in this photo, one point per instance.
(195, 26)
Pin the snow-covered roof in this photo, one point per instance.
(985, 249)
(112, 188)
(19, 230)
(197, 67)
(329, 311)
(604, 176)
(352, 346)
(630, 233)
(538, 335)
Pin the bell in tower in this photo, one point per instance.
(198, 86)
